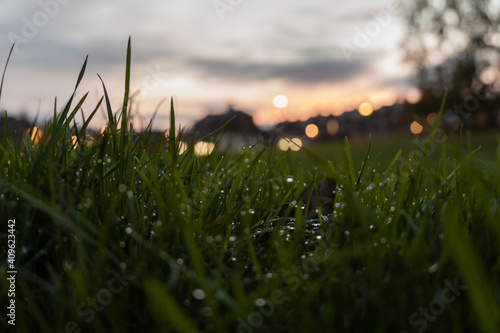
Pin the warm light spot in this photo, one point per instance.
(312, 130)
(103, 129)
(36, 135)
(167, 134)
(416, 128)
(280, 101)
(74, 141)
(365, 109)
(332, 126)
(489, 75)
(295, 144)
(89, 140)
(413, 96)
(284, 144)
(203, 148)
(182, 147)
(431, 118)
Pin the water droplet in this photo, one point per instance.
(289, 179)
(434, 268)
(128, 230)
(260, 302)
(198, 294)
(206, 311)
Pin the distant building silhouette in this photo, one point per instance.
(239, 128)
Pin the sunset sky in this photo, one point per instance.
(206, 54)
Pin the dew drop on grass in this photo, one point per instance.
(260, 302)
(128, 230)
(206, 311)
(180, 261)
(289, 179)
(122, 244)
(434, 268)
(198, 294)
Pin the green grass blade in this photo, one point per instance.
(350, 163)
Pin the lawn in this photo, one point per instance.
(125, 234)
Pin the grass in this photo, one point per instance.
(125, 234)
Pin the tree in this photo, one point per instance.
(455, 45)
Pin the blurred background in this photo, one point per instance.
(304, 69)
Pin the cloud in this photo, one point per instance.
(305, 71)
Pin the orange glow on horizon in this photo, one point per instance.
(313, 102)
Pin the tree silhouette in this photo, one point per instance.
(455, 45)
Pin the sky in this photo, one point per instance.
(325, 56)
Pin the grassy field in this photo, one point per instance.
(123, 234)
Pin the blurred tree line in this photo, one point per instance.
(455, 45)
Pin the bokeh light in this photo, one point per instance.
(416, 128)
(295, 144)
(332, 126)
(280, 101)
(283, 144)
(286, 143)
(203, 148)
(365, 109)
(312, 130)
(413, 96)
(74, 141)
(103, 129)
(431, 118)
(182, 147)
(36, 135)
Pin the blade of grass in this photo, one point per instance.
(5, 70)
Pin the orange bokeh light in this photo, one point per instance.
(416, 128)
(312, 130)
(365, 109)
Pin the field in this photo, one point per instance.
(125, 234)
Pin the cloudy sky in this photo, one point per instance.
(325, 56)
